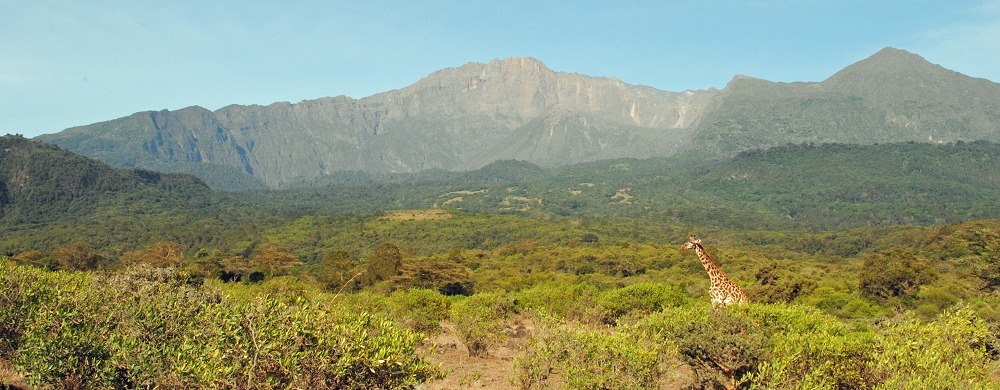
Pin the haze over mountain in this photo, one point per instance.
(464, 118)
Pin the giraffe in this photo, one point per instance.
(723, 292)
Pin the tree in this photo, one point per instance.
(272, 261)
(446, 277)
(776, 284)
(336, 270)
(160, 254)
(77, 257)
(894, 274)
(383, 264)
(36, 259)
(722, 349)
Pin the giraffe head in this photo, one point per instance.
(691, 243)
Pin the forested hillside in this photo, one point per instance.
(804, 186)
(816, 186)
(41, 183)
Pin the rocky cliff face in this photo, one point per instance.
(464, 118)
(456, 119)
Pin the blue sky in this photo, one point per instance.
(70, 63)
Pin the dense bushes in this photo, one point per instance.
(148, 327)
(894, 275)
(954, 351)
(639, 299)
(763, 346)
(479, 320)
(587, 358)
(882, 318)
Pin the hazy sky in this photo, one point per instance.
(70, 63)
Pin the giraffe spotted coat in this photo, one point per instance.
(723, 292)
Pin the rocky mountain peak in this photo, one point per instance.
(888, 63)
(517, 108)
(517, 65)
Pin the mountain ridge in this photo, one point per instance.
(41, 182)
(465, 117)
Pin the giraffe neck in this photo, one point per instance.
(715, 273)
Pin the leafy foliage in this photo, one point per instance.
(639, 299)
(479, 320)
(722, 348)
(896, 274)
(952, 351)
(147, 327)
(591, 359)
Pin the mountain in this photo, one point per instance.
(464, 118)
(454, 119)
(40, 183)
(892, 96)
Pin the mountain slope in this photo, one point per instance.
(464, 118)
(40, 183)
(455, 119)
(892, 96)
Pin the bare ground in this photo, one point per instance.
(10, 380)
(492, 372)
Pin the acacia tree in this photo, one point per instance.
(272, 261)
(383, 264)
(445, 276)
(336, 270)
(77, 257)
(160, 254)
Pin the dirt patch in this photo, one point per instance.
(519, 203)
(465, 192)
(416, 215)
(9, 378)
(623, 195)
(453, 200)
(491, 372)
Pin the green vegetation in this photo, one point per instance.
(146, 327)
(137, 282)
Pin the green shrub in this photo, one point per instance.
(587, 358)
(894, 274)
(642, 298)
(267, 344)
(63, 343)
(777, 284)
(951, 352)
(571, 301)
(420, 309)
(722, 348)
(149, 327)
(480, 319)
(809, 349)
(842, 304)
(23, 291)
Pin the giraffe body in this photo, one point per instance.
(723, 292)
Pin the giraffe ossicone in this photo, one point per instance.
(723, 291)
